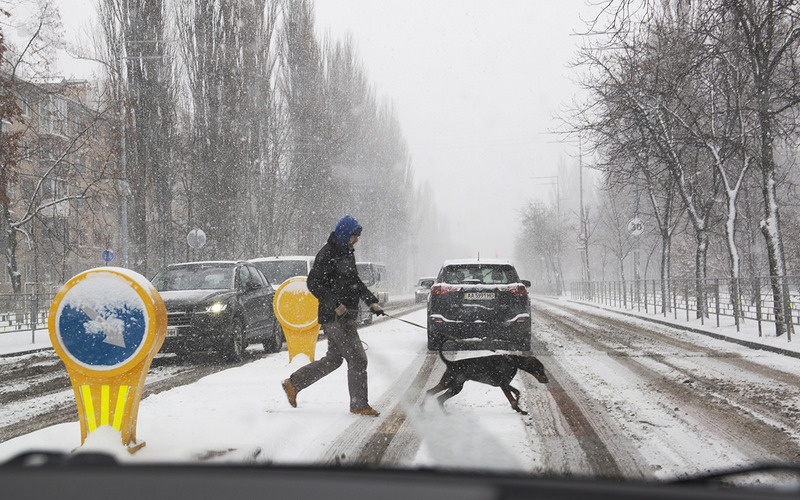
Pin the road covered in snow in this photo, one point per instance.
(626, 399)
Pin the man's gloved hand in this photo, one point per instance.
(378, 310)
(341, 310)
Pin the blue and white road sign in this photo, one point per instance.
(108, 256)
(101, 322)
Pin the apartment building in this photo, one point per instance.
(63, 193)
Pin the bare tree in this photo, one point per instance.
(543, 235)
(769, 34)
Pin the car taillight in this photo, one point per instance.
(443, 288)
(515, 289)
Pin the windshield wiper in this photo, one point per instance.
(719, 476)
(50, 459)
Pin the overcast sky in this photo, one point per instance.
(476, 85)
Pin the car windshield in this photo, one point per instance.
(479, 274)
(366, 274)
(591, 204)
(278, 271)
(196, 277)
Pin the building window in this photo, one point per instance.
(30, 274)
(27, 149)
(53, 116)
(54, 188)
(27, 188)
(27, 109)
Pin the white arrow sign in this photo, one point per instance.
(112, 328)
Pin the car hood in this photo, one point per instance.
(188, 297)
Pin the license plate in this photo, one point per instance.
(172, 331)
(478, 296)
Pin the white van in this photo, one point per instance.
(279, 269)
(373, 275)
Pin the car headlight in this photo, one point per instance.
(216, 307)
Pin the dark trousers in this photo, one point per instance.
(343, 343)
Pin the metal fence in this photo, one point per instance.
(24, 311)
(708, 299)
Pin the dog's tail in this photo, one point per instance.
(441, 354)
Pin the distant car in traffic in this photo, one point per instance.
(217, 305)
(423, 290)
(280, 268)
(478, 304)
(374, 276)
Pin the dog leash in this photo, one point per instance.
(405, 321)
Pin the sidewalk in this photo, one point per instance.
(24, 341)
(747, 335)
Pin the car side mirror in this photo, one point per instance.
(527, 283)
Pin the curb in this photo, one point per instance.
(23, 353)
(745, 343)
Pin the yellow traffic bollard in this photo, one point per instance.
(296, 309)
(106, 325)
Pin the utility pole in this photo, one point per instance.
(585, 275)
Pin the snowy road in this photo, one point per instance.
(626, 399)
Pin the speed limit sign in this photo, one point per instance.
(636, 226)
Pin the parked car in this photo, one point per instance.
(423, 290)
(219, 305)
(479, 303)
(281, 268)
(374, 276)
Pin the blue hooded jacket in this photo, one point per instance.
(334, 279)
(344, 229)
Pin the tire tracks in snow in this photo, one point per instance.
(569, 436)
(373, 441)
(678, 377)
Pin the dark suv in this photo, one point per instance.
(477, 304)
(219, 305)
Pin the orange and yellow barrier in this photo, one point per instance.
(296, 310)
(106, 325)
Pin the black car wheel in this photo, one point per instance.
(434, 339)
(235, 348)
(274, 339)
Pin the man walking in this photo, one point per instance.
(334, 281)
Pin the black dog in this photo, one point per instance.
(497, 370)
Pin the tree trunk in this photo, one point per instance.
(770, 226)
(8, 243)
(666, 242)
(701, 256)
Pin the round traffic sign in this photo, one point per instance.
(636, 226)
(108, 255)
(106, 320)
(196, 238)
(294, 305)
